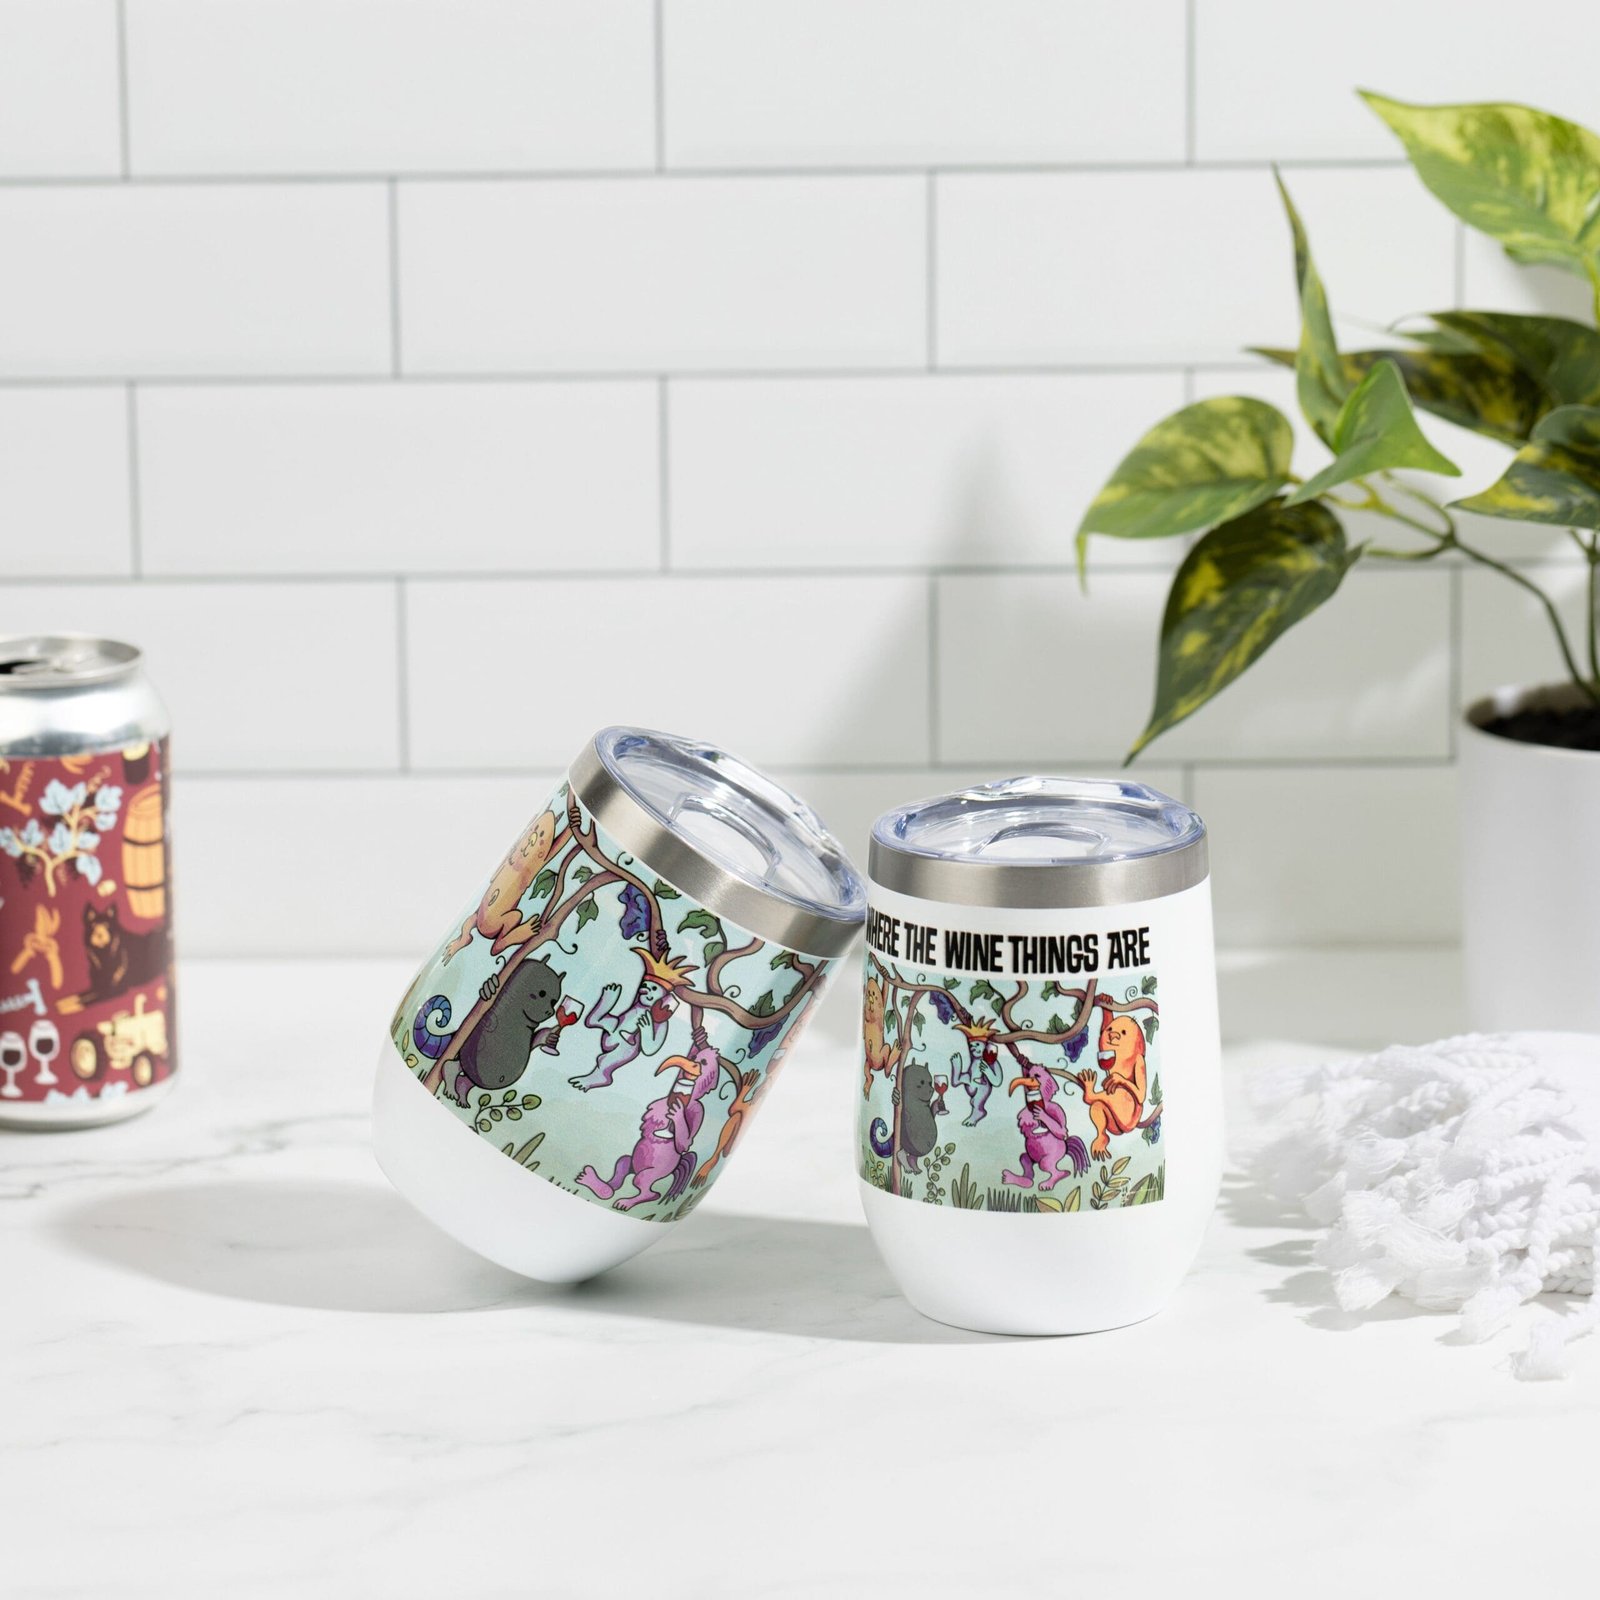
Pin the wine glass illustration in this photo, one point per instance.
(13, 1058)
(44, 1041)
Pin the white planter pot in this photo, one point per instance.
(1530, 873)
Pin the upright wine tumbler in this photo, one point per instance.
(571, 1069)
(1040, 1107)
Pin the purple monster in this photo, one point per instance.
(665, 1148)
(1046, 1143)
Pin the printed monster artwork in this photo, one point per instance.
(685, 1021)
(86, 988)
(1081, 1126)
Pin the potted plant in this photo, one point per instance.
(1272, 546)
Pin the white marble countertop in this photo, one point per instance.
(233, 1362)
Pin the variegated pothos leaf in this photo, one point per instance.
(1525, 177)
(1320, 382)
(1554, 478)
(1561, 356)
(1210, 461)
(1376, 431)
(1483, 392)
(1238, 591)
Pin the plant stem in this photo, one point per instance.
(1588, 685)
(1450, 539)
(1592, 550)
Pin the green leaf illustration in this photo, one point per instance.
(1375, 431)
(1524, 177)
(982, 989)
(1210, 461)
(703, 922)
(763, 1006)
(1320, 381)
(1554, 478)
(587, 912)
(665, 891)
(583, 874)
(543, 884)
(1048, 1202)
(1241, 588)
(1074, 1200)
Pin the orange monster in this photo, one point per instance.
(498, 918)
(879, 1054)
(1115, 1106)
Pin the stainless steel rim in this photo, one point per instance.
(1034, 888)
(670, 855)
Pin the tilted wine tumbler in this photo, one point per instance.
(1039, 1114)
(671, 915)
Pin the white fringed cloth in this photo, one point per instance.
(1453, 1175)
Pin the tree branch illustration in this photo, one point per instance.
(708, 997)
(1012, 1033)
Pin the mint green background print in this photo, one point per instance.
(993, 1094)
(597, 1025)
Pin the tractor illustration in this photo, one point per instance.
(134, 1042)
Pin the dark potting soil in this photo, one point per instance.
(1577, 728)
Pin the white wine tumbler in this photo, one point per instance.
(571, 1069)
(1040, 1107)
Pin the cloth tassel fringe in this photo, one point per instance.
(1448, 1174)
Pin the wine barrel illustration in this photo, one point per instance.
(144, 855)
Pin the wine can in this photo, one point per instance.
(1039, 1123)
(86, 973)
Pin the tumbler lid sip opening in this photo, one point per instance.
(1036, 842)
(720, 830)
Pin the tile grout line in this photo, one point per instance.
(1188, 770)
(755, 374)
(1190, 23)
(123, 118)
(394, 278)
(719, 574)
(402, 676)
(135, 510)
(660, 48)
(663, 480)
(846, 174)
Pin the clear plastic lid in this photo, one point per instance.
(1041, 842)
(724, 832)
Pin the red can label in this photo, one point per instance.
(85, 926)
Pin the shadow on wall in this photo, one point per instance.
(342, 1246)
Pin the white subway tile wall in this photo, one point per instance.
(428, 383)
